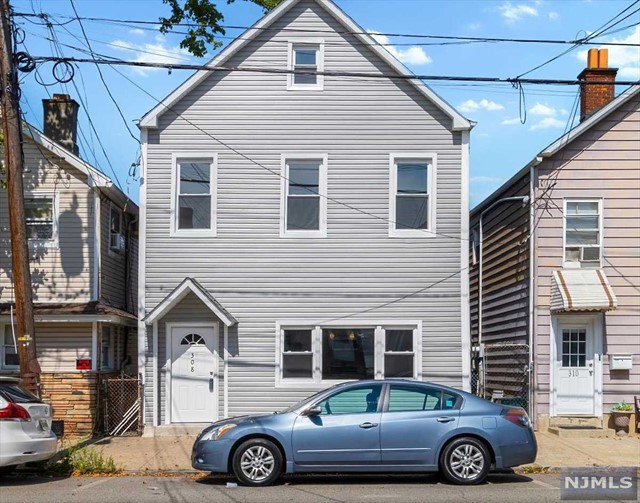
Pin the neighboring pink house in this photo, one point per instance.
(579, 309)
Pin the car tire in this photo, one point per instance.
(7, 470)
(465, 461)
(257, 462)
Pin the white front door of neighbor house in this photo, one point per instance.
(575, 369)
(193, 389)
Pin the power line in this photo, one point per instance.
(328, 73)
(339, 32)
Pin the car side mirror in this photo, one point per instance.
(316, 410)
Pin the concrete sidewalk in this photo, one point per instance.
(171, 453)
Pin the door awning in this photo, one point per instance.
(581, 290)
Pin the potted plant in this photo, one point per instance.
(621, 416)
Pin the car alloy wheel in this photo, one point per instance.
(257, 462)
(465, 461)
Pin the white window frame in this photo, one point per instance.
(431, 159)
(53, 242)
(319, 43)
(578, 265)
(112, 251)
(3, 328)
(111, 337)
(323, 159)
(379, 327)
(475, 245)
(212, 159)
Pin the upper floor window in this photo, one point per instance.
(306, 60)
(40, 217)
(303, 204)
(116, 231)
(583, 233)
(411, 200)
(194, 204)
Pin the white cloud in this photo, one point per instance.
(486, 179)
(511, 121)
(137, 31)
(513, 13)
(474, 26)
(157, 52)
(547, 123)
(625, 58)
(483, 104)
(542, 110)
(553, 15)
(413, 55)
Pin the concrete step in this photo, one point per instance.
(576, 421)
(573, 431)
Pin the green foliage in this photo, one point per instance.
(204, 19)
(79, 460)
(622, 407)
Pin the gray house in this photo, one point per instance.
(82, 233)
(299, 229)
(556, 286)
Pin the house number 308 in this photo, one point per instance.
(193, 362)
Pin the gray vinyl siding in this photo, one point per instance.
(506, 275)
(62, 272)
(261, 278)
(602, 163)
(113, 264)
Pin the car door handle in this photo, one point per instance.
(445, 419)
(368, 425)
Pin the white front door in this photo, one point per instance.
(575, 369)
(193, 374)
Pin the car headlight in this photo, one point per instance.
(216, 433)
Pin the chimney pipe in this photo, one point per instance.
(594, 96)
(61, 121)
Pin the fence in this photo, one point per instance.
(504, 374)
(122, 406)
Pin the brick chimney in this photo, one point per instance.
(594, 96)
(61, 121)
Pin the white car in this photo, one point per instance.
(25, 426)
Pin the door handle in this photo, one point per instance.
(368, 425)
(445, 419)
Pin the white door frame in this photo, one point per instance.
(168, 342)
(595, 323)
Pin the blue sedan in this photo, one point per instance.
(372, 426)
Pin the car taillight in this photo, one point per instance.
(517, 416)
(13, 411)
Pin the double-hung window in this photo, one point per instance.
(116, 234)
(316, 354)
(40, 216)
(583, 233)
(306, 59)
(194, 204)
(304, 204)
(9, 349)
(411, 201)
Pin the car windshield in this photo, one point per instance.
(304, 402)
(17, 394)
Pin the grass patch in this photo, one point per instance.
(79, 460)
(532, 469)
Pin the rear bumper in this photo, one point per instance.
(27, 450)
(516, 454)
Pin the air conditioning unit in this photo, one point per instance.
(117, 242)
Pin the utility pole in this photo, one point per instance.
(14, 163)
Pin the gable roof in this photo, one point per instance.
(190, 285)
(95, 177)
(150, 119)
(562, 142)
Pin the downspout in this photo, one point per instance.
(532, 293)
(97, 246)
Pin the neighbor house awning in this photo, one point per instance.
(581, 290)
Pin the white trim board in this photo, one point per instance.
(150, 119)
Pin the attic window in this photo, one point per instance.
(306, 59)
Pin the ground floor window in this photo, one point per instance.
(9, 350)
(340, 353)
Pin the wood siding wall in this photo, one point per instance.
(357, 270)
(62, 271)
(603, 163)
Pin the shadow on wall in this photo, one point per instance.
(50, 261)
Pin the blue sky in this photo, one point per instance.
(500, 144)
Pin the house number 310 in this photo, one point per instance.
(573, 373)
(193, 362)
